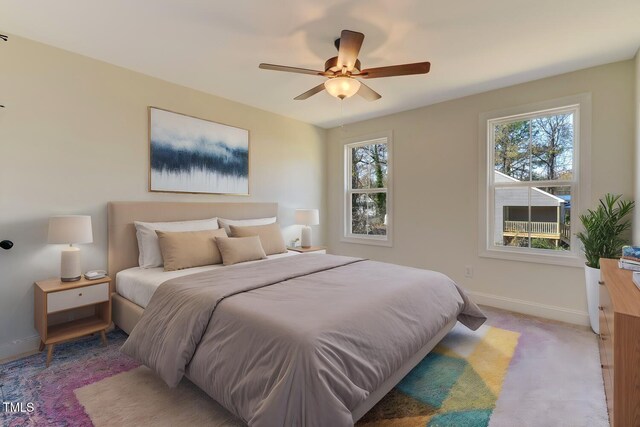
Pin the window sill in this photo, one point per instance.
(566, 260)
(367, 241)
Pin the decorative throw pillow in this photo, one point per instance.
(148, 246)
(226, 223)
(270, 236)
(240, 249)
(186, 249)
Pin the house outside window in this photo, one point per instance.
(534, 179)
(367, 202)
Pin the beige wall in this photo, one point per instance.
(74, 136)
(435, 177)
(636, 216)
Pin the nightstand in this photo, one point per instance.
(310, 249)
(54, 296)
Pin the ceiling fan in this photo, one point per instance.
(342, 71)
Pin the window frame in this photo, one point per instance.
(580, 105)
(348, 145)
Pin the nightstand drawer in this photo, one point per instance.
(64, 300)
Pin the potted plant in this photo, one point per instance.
(603, 237)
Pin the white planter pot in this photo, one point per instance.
(592, 276)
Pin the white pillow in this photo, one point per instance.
(148, 246)
(227, 223)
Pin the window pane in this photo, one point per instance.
(511, 150)
(552, 147)
(533, 217)
(511, 227)
(551, 217)
(369, 166)
(368, 212)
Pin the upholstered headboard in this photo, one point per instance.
(123, 245)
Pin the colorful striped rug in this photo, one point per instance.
(86, 385)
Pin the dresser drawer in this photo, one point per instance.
(605, 304)
(64, 300)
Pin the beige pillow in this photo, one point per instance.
(226, 223)
(148, 246)
(186, 249)
(240, 249)
(270, 236)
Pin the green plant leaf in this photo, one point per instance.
(604, 227)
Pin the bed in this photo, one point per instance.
(296, 340)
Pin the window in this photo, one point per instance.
(367, 191)
(533, 182)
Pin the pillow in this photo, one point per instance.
(240, 249)
(225, 223)
(148, 246)
(270, 236)
(186, 249)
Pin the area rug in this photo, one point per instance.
(455, 385)
(50, 391)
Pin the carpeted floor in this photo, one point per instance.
(515, 371)
(555, 377)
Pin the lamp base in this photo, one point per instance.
(70, 265)
(305, 237)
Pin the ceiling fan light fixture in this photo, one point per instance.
(343, 69)
(342, 87)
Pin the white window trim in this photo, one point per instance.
(345, 235)
(582, 187)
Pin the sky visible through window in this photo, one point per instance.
(535, 149)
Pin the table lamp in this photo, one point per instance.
(70, 229)
(307, 217)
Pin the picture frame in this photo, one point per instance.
(193, 155)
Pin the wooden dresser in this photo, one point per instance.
(620, 343)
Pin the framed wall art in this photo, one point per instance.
(192, 155)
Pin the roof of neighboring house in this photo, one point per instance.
(501, 177)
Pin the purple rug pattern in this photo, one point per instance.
(51, 390)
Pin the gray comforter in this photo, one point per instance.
(298, 340)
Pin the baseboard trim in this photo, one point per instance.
(20, 346)
(532, 308)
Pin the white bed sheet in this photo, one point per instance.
(138, 284)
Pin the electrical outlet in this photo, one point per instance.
(468, 271)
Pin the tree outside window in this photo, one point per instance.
(533, 179)
(367, 188)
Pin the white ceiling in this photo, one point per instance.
(216, 46)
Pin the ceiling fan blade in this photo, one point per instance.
(367, 93)
(291, 69)
(310, 92)
(350, 44)
(396, 70)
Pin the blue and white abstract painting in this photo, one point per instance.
(197, 156)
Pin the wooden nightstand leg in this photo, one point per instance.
(41, 347)
(49, 354)
(103, 337)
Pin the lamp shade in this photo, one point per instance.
(307, 216)
(342, 87)
(70, 229)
